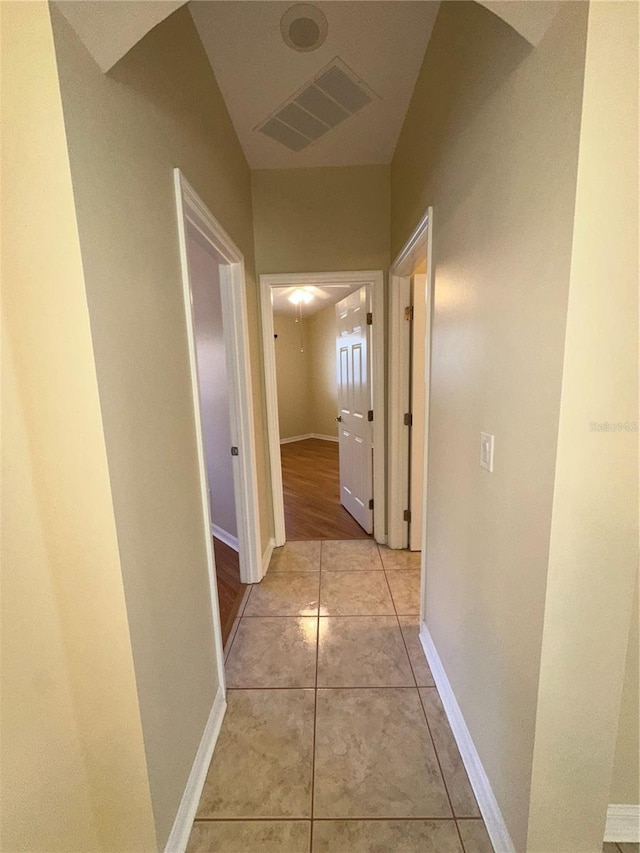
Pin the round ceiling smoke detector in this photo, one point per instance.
(304, 27)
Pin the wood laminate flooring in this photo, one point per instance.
(230, 588)
(311, 486)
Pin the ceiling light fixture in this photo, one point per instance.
(301, 296)
(304, 27)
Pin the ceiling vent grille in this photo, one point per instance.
(331, 97)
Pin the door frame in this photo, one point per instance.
(417, 249)
(418, 387)
(193, 211)
(375, 278)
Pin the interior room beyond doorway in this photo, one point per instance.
(321, 488)
(304, 322)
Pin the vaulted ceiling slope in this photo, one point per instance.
(340, 104)
(110, 29)
(381, 43)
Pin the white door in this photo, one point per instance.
(417, 409)
(354, 406)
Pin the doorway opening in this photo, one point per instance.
(216, 321)
(410, 316)
(323, 344)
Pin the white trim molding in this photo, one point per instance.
(266, 557)
(293, 438)
(317, 435)
(494, 821)
(228, 538)
(623, 823)
(413, 252)
(417, 250)
(193, 213)
(398, 397)
(183, 823)
(375, 278)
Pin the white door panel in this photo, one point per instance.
(354, 404)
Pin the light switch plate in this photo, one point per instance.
(486, 451)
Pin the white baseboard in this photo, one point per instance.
(223, 536)
(324, 437)
(266, 557)
(496, 827)
(295, 438)
(183, 822)
(308, 435)
(623, 823)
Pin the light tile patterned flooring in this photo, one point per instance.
(335, 739)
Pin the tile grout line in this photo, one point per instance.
(435, 752)
(424, 711)
(395, 610)
(349, 687)
(329, 616)
(243, 604)
(332, 616)
(397, 615)
(372, 818)
(315, 707)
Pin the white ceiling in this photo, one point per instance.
(382, 42)
(324, 295)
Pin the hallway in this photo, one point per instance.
(334, 736)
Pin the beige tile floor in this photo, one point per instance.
(335, 738)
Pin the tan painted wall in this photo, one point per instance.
(317, 220)
(40, 742)
(320, 220)
(322, 371)
(307, 392)
(158, 109)
(625, 781)
(491, 141)
(594, 533)
(292, 376)
(74, 775)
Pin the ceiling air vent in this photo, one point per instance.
(331, 97)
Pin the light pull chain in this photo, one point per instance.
(299, 320)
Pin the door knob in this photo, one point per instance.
(339, 418)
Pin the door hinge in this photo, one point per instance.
(370, 415)
(408, 312)
(369, 318)
(408, 419)
(406, 515)
(371, 503)
(234, 451)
